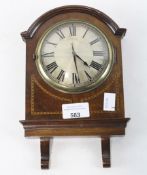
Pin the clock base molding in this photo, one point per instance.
(46, 130)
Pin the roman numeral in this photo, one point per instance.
(88, 76)
(72, 30)
(75, 78)
(94, 41)
(52, 67)
(96, 65)
(60, 34)
(54, 44)
(61, 75)
(50, 54)
(98, 53)
(85, 32)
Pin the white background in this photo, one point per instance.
(80, 156)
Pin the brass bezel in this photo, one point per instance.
(74, 90)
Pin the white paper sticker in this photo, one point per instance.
(109, 102)
(75, 110)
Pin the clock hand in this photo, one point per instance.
(73, 51)
(85, 63)
(76, 64)
(75, 54)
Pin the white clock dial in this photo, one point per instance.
(74, 57)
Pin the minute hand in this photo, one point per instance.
(85, 63)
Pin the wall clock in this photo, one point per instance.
(73, 56)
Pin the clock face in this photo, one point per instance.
(74, 57)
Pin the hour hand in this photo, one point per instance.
(85, 63)
(75, 55)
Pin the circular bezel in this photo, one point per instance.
(77, 89)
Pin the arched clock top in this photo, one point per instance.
(73, 8)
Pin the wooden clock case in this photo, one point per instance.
(43, 117)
